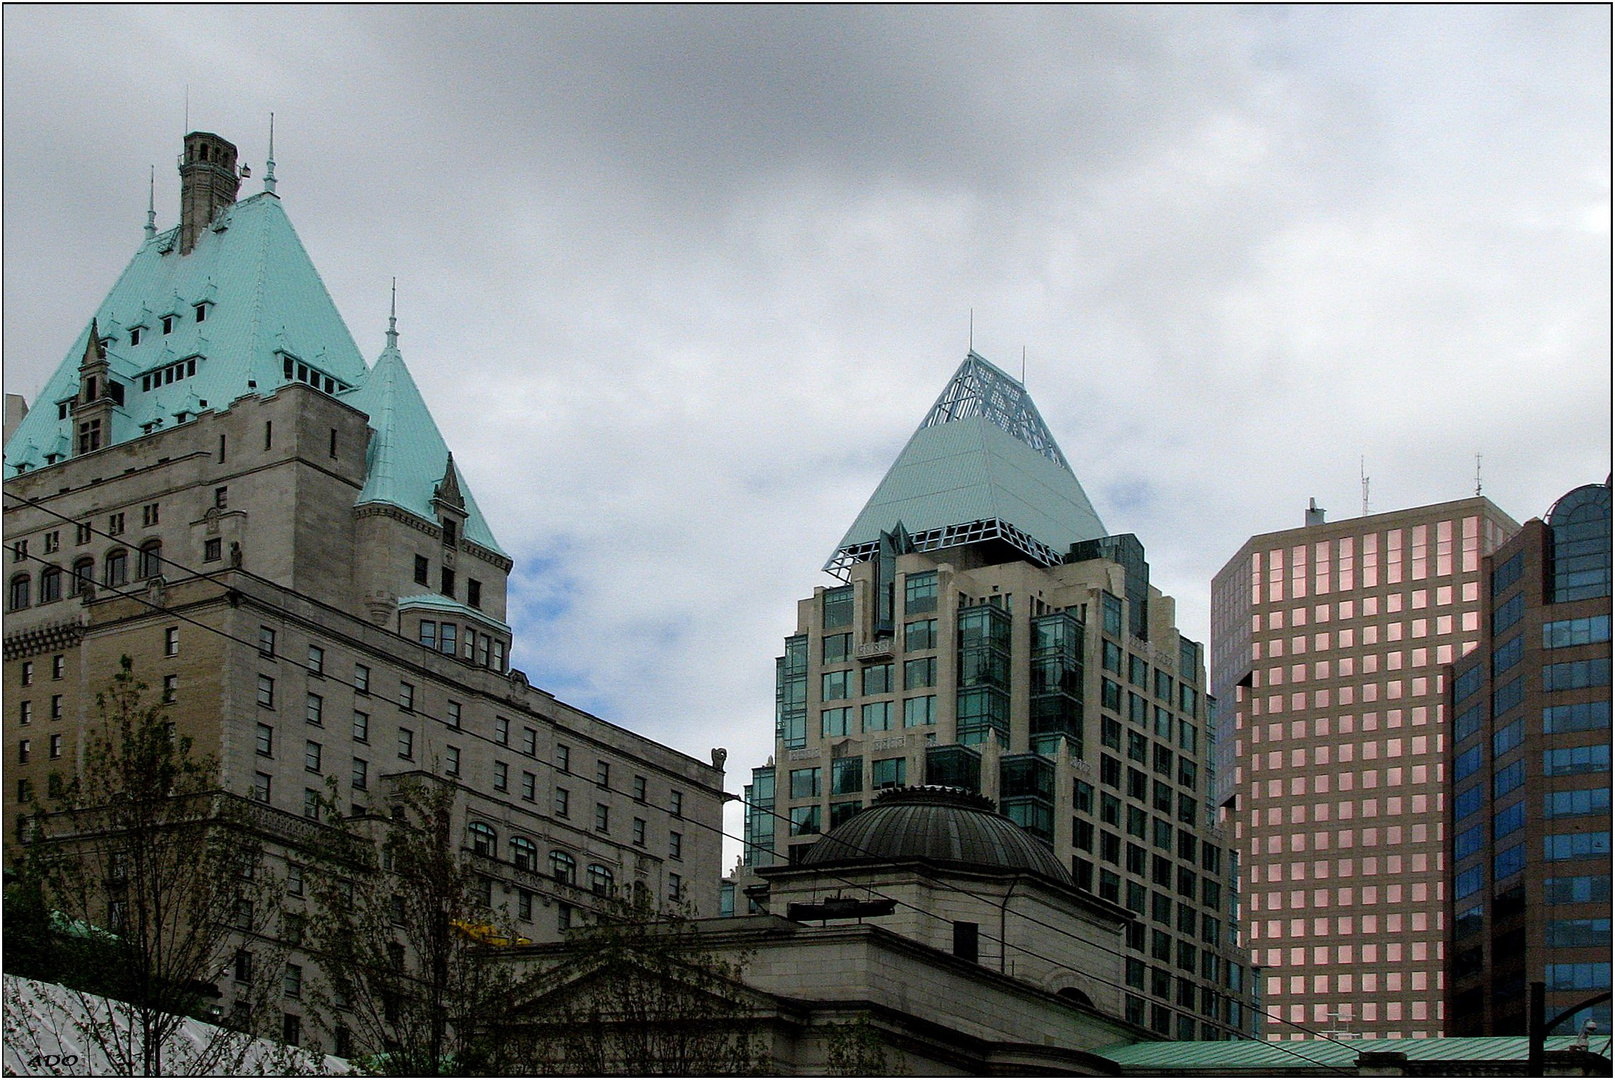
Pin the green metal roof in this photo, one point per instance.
(265, 306)
(1306, 1054)
(437, 602)
(264, 298)
(982, 465)
(407, 454)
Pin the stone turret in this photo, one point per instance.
(207, 184)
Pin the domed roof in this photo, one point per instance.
(940, 825)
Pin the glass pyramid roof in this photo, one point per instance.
(981, 466)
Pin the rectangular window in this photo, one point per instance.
(1507, 779)
(260, 786)
(361, 726)
(1466, 763)
(563, 802)
(453, 766)
(446, 633)
(428, 634)
(838, 607)
(919, 711)
(171, 641)
(311, 804)
(602, 773)
(1570, 760)
(422, 570)
(212, 550)
(266, 740)
(835, 685)
(361, 774)
(529, 787)
(837, 648)
(1565, 633)
(920, 635)
(361, 678)
(888, 772)
(877, 716)
(1508, 820)
(835, 723)
(406, 744)
(639, 789)
(314, 710)
(170, 689)
(1577, 890)
(563, 758)
(316, 660)
(311, 756)
(675, 845)
(805, 783)
(675, 803)
(1579, 803)
(602, 818)
(530, 742)
(919, 674)
(847, 776)
(406, 696)
(1576, 675)
(1508, 654)
(878, 679)
(473, 593)
(919, 593)
(266, 641)
(266, 691)
(1588, 845)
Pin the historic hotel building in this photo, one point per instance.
(215, 483)
(1328, 647)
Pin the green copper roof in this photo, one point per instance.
(436, 602)
(267, 320)
(407, 457)
(264, 302)
(981, 466)
(1296, 1055)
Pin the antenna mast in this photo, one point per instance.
(1362, 471)
(1477, 475)
(1023, 367)
(972, 329)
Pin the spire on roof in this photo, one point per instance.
(392, 319)
(980, 389)
(269, 165)
(448, 488)
(151, 206)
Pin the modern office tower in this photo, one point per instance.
(1328, 649)
(216, 484)
(991, 635)
(1529, 760)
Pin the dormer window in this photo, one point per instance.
(168, 324)
(201, 313)
(134, 335)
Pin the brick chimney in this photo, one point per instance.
(207, 184)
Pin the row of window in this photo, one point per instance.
(115, 571)
(480, 648)
(878, 679)
(25, 749)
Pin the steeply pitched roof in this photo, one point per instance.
(264, 301)
(407, 455)
(266, 310)
(982, 466)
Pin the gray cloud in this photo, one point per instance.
(679, 282)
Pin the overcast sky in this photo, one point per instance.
(679, 283)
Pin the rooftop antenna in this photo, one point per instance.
(1362, 471)
(1023, 367)
(1477, 475)
(392, 319)
(972, 329)
(187, 108)
(151, 206)
(269, 165)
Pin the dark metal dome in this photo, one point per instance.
(950, 826)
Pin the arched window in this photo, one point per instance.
(524, 853)
(83, 575)
(116, 569)
(20, 591)
(484, 841)
(1581, 527)
(50, 584)
(599, 880)
(564, 868)
(151, 559)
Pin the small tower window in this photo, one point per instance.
(168, 324)
(134, 336)
(450, 532)
(203, 151)
(201, 313)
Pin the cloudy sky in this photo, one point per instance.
(679, 283)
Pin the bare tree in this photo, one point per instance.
(406, 942)
(147, 879)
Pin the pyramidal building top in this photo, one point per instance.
(981, 467)
(225, 304)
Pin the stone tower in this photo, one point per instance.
(207, 184)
